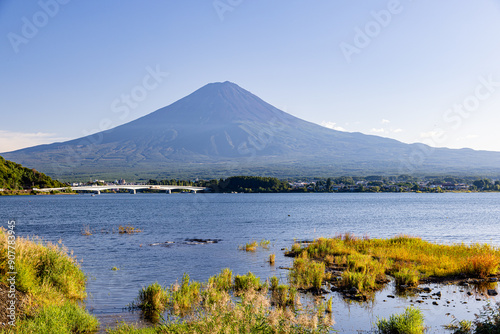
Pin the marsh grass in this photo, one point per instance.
(411, 321)
(283, 295)
(152, 299)
(252, 246)
(185, 296)
(254, 310)
(244, 283)
(272, 259)
(408, 259)
(128, 229)
(86, 231)
(406, 276)
(307, 273)
(54, 283)
(264, 243)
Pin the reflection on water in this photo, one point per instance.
(171, 225)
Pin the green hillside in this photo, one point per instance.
(16, 177)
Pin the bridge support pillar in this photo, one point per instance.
(98, 192)
(168, 191)
(194, 191)
(133, 191)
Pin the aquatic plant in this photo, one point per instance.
(185, 296)
(264, 243)
(86, 230)
(128, 229)
(272, 258)
(152, 298)
(243, 283)
(411, 321)
(307, 273)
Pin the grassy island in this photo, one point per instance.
(364, 263)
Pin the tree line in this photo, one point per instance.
(14, 176)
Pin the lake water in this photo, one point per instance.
(236, 219)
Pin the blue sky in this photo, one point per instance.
(416, 71)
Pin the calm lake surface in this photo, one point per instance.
(236, 219)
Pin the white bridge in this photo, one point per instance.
(132, 188)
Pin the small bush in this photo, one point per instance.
(411, 321)
(272, 259)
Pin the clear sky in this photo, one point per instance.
(417, 71)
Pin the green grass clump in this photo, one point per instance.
(243, 283)
(252, 246)
(54, 285)
(272, 259)
(264, 243)
(152, 300)
(307, 273)
(185, 296)
(406, 277)
(222, 281)
(411, 321)
(55, 319)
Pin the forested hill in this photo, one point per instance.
(16, 177)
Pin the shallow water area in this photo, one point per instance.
(165, 249)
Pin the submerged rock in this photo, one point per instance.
(353, 291)
(197, 241)
(492, 292)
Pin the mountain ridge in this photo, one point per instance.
(222, 129)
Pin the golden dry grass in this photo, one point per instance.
(409, 259)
